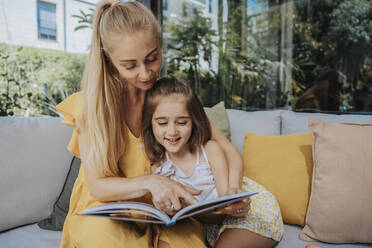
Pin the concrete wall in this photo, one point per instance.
(18, 24)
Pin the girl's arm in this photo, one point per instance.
(165, 192)
(235, 165)
(218, 164)
(234, 160)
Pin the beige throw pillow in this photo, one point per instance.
(218, 116)
(340, 205)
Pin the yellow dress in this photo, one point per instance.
(83, 231)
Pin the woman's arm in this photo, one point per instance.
(234, 160)
(218, 164)
(165, 192)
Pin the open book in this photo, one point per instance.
(120, 210)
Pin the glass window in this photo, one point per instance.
(165, 4)
(164, 19)
(46, 20)
(264, 54)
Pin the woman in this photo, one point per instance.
(124, 62)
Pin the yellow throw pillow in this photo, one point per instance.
(283, 165)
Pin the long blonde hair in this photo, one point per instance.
(102, 117)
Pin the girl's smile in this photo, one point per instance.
(172, 141)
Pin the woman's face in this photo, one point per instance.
(138, 58)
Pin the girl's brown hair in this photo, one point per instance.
(201, 130)
(102, 118)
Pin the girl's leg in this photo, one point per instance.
(261, 227)
(243, 238)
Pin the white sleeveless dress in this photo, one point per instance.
(263, 218)
(200, 178)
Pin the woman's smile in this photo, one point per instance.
(148, 83)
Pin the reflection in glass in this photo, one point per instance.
(256, 54)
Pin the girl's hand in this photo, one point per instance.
(170, 196)
(237, 209)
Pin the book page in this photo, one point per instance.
(127, 207)
(128, 218)
(123, 212)
(204, 206)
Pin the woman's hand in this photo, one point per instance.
(170, 196)
(237, 209)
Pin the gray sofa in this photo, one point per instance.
(34, 164)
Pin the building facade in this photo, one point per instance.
(45, 24)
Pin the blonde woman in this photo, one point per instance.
(124, 62)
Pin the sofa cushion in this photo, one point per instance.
(341, 201)
(291, 240)
(30, 236)
(283, 165)
(218, 116)
(295, 122)
(60, 209)
(258, 122)
(33, 167)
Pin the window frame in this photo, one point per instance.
(39, 27)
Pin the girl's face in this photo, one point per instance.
(172, 124)
(138, 58)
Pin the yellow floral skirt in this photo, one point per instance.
(263, 218)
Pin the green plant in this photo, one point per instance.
(85, 20)
(33, 81)
(335, 34)
(190, 41)
(18, 94)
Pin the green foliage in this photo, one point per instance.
(337, 35)
(188, 42)
(351, 21)
(16, 89)
(193, 36)
(351, 35)
(32, 79)
(85, 20)
(241, 75)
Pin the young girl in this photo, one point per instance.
(176, 134)
(177, 139)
